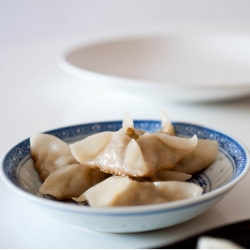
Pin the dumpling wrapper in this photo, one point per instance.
(71, 181)
(119, 154)
(49, 154)
(166, 124)
(123, 191)
(200, 158)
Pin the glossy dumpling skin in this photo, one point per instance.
(129, 192)
(200, 158)
(49, 154)
(119, 154)
(71, 181)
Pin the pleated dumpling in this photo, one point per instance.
(200, 158)
(132, 152)
(49, 154)
(128, 192)
(71, 181)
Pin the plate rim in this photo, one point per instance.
(70, 68)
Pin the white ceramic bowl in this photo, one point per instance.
(175, 66)
(232, 164)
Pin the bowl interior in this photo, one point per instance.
(231, 161)
(206, 59)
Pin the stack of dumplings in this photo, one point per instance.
(127, 167)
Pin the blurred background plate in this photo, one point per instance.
(175, 66)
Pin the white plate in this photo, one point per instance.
(231, 165)
(195, 66)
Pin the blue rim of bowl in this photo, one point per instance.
(236, 149)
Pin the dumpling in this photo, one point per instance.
(132, 152)
(71, 181)
(63, 177)
(128, 192)
(49, 154)
(200, 158)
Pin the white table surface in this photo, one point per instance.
(36, 95)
